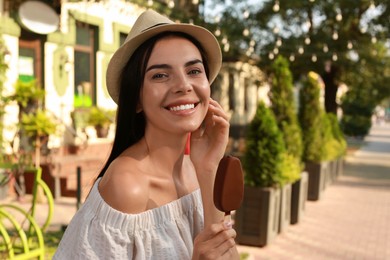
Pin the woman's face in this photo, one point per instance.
(175, 94)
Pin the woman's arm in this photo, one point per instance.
(208, 145)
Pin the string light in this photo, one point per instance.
(271, 56)
(373, 39)
(226, 47)
(307, 41)
(276, 29)
(339, 17)
(276, 6)
(291, 58)
(150, 2)
(314, 58)
(217, 32)
(301, 50)
(335, 35)
(279, 42)
(246, 14)
(245, 32)
(224, 40)
(334, 57)
(325, 48)
(195, 2)
(349, 45)
(171, 4)
(276, 50)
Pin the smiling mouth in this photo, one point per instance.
(182, 107)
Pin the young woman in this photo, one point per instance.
(151, 199)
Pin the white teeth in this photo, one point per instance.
(182, 107)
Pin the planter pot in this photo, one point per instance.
(317, 179)
(74, 149)
(340, 166)
(299, 191)
(285, 207)
(257, 219)
(101, 131)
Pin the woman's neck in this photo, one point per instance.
(166, 153)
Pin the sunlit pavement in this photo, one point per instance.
(352, 220)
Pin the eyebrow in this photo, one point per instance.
(166, 66)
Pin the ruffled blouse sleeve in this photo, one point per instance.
(97, 231)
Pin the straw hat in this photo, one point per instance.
(149, 24)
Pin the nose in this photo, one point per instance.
(181, 84)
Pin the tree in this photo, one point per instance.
(284, 107)
(310, 118)
(336, 39)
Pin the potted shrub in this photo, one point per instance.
(28, 95)
(283, 105)
(336, 147)
(257, 218)
(100, 119)
(311, 119)
(38, 126)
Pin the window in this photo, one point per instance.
(29, 62)
(84, 65)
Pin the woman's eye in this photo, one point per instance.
(195, 72)
(158, 76)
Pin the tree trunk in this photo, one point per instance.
(330, 80)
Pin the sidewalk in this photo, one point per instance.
(352, 221)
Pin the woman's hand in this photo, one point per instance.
(215, 242)
(208, 143)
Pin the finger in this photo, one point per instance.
(212, 230)
(225, 241)
(218, 110)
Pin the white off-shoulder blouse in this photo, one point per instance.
(98, 231)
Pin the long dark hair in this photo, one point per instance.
(130, 125)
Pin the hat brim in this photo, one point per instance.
(123, 54)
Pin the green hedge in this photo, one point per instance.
(265, 149)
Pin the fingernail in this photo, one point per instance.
(228, 225)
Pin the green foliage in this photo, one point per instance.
(310, 118)
(38, 124)
(27, 93)
(337, 135)
(284, 107)
(357, 113)
(331, 147)
(3, 69)
(100, 117)
(263, 157)
(291, 169)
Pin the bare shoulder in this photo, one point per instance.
(124, 187)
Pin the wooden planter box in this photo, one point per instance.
(340, 167)
(317, 179)
(257, 220)
(299, 191)
(285, 207)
